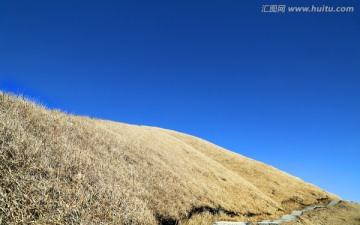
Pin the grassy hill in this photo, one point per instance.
(58, 168)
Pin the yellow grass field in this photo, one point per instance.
(63, 169)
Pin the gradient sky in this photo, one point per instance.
(281, 88)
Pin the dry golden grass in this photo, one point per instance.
(62, 169)
(344, 213)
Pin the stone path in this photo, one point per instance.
(287, 217)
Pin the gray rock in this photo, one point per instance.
(332, 203)
(288, 217)
(231, 223)
(296, 213)
(308, 208)
(268, 223)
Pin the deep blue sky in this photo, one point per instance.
(280, 88)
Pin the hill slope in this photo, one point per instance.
(343, 213)
(57, 168)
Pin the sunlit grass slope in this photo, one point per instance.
(57, 168)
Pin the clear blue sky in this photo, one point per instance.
(282, 88)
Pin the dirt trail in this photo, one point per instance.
(285, 218)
